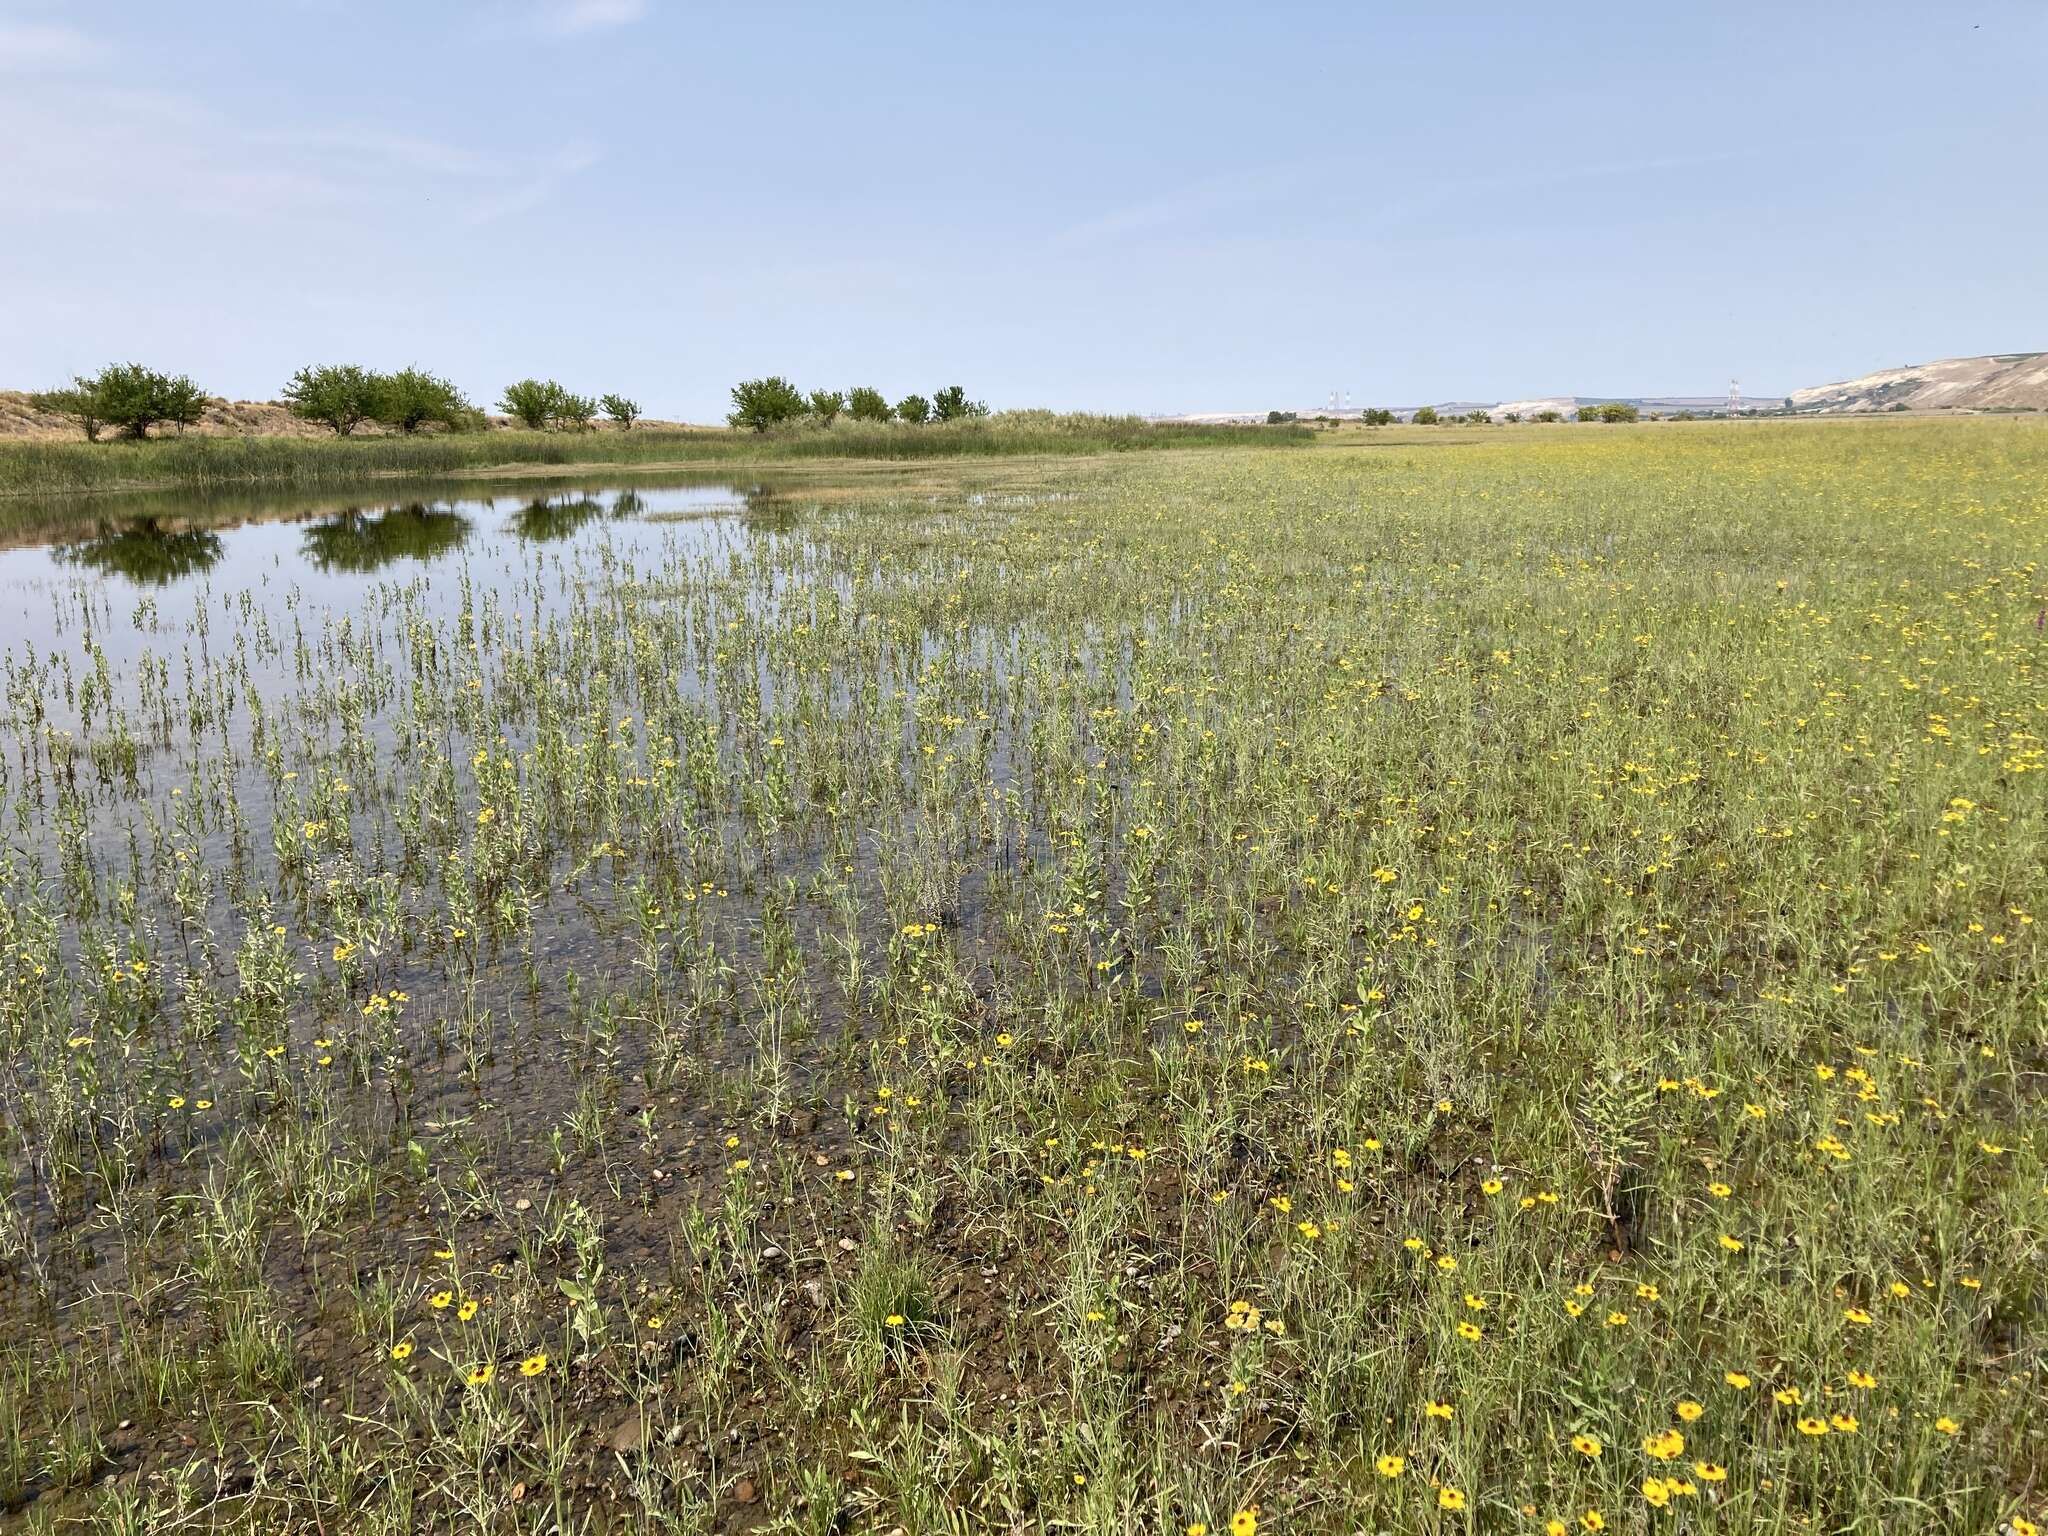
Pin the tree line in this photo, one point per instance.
(759, 404)
(129, 399)
(343, 396)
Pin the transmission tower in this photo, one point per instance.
(1734, 397)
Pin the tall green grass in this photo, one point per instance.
(42, 468)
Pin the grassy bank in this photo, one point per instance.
(58, 468)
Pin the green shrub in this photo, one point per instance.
(573, 411)
(952, 404)
(128, 396)
(864, 404)
(79, 403)
(336, 395)
(413, 398)
(532, 402)
(759, 404)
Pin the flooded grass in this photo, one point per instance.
(1257, 990)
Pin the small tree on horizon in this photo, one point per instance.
(532, 402)
(339, 396)
(1426, 417)
(759, 404)
(625, 412)
(914, 409)
(573, 411)
(411, 398)
(77, 402)
(952, 404)
(826, 404)
(865, 404)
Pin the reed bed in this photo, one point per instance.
(43, 468)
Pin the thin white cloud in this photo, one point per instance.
(29, 45)
(418, 154)
(535, 189)
(1210, 195)
(199, 162)
(569, 17)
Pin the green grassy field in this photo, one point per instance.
(1481, 984)
(51, 468)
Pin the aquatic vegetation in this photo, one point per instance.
(1483, 986)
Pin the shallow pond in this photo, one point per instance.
(134, 577)
(371, 806)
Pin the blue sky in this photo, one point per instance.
(1118, 207)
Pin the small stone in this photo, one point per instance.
(847, 1245)
(745, 1491)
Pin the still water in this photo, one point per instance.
(191, 571)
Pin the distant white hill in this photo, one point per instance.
(2003, 381)
(1564, 405)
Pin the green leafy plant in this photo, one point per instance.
(952, 404)
(532, 402)
(413, 398)
(130, 397)
(865, 404)
(80, 403)
(758, 404)
(573, 411)
(337, 395)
